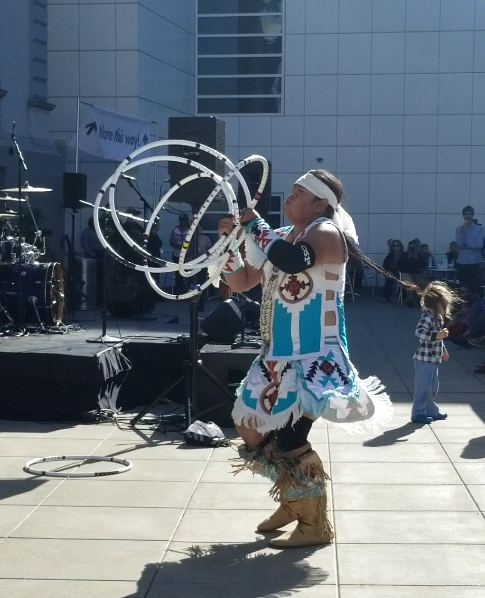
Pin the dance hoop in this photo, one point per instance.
(216, 257)
(127, 465)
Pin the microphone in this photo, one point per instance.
(10, 149)
(128, 178)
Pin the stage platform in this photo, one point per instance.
(59, 377)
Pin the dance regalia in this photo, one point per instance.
(304, 366)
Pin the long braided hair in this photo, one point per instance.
(353, 250)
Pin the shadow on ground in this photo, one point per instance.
(394, 436)
(232, 569)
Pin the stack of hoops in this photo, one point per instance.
(216, 257)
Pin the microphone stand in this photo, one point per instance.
(105, 338)
(146, 205)
(21, 165)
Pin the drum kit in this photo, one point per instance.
(31, 291)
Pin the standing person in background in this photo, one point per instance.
(469, 237)
(391, 265)
(412, 265)
(177, 237)
(204, 244)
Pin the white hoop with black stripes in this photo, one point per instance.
(216, 257)
(127, 465)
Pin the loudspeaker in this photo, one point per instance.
(207, 130)
(74, 190)
(126, 300)
(224, 323)
(230, 367)
(252, 174)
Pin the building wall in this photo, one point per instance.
(135, 57)
(23, 90)
(390, 95)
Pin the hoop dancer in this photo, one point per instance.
(304, 371)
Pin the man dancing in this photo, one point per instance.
(304, 371)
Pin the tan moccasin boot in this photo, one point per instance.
(286, 513)
(313, 527)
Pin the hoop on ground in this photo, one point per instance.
(127, 465)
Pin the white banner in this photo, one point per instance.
(110, 135)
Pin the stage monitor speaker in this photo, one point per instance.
(230, 367)
(252, 174)
(125, 301)
(74, 190)
(208, 130)
(224, 323)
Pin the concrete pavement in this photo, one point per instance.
(408, 504)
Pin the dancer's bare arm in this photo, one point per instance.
(246, 277)
(322, 244)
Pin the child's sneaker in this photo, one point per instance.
(439, 416)
(421, 419)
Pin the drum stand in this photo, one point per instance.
(192, 366)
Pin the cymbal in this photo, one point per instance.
(8, 198)
(7, 214)
(26, 189)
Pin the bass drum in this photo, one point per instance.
(42, 289)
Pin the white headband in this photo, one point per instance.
(318, 188)
(341, 218)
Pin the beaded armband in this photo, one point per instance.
(234, 263)
(262, 234)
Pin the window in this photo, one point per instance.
(240, 86)
(274, 217)
(38, 49)
(209, 7)
(38, 56)
(239, 64)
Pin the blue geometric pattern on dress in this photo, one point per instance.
(328, 378)
(311, 326)
(281, 331)
(248, 399)
(282, 404)
(341, 323)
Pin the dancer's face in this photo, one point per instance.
(302, 207)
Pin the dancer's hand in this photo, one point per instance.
(247, 215)
(226, 225)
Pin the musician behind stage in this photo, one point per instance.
(90, 243)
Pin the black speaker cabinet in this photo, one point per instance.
(224, 323)
(74, 190)
(229, 366)
(126, 300)
(207, 130)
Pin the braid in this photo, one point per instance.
(336, 186)
(356, 253)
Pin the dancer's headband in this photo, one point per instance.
(318, 188)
